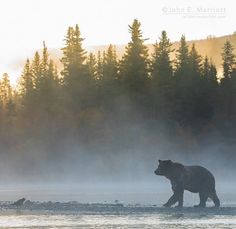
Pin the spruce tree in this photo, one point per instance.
(228, 57)
(67, 59)
(77, 82)
(110, 64)
(213, 73)
(134, 64)
(51, 88)
(41, 80)
(109, 82)
(36, 70)
(209, 71)
(195, 64)
(74, 57)
(91, 64)
(161, 63)
(5, 90)
(45, 61)
(26, 80)
(182, 59)
(52, 72)
(206, 68)
(99, 67)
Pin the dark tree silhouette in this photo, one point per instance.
(134, 64)
(108, 105)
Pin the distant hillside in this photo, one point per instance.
(212, 47)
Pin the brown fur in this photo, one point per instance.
(195, 179)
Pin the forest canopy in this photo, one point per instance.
(106, 104)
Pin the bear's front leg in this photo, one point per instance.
(180, 196)
(179, 191)
(173, 199)
(176, 197)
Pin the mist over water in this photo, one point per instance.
(111, 168)
(107, 172)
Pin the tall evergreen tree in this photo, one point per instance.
(195, 64)
(99, 67)
(229, 60)
(5, 89)
(50, 88)
(77, 81)
(182, 59)
(134, 64)
(52, 72)
(209, 71)
(206, 68)
(109, 83)
(227, 92)
(213, 73)
(161, 63)
(110, 64)
(67, 59)
(45, 60)
(74, 57)
(36, 69)
(26, 85)
(91, 64)
(41, 79)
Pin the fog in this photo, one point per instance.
(101, 170)
(107, 155)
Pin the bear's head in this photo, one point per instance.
(164, 167)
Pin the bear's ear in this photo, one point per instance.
(159, 161)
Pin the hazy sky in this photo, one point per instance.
(25, 24)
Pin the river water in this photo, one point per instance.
(111, 209)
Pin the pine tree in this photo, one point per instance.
(182, 59)
(67, 59)
(134, 64)
(161, 63)
(5, 90)
(41, 79)
(91, 64)
(45, 61)
(110, 64)
(74, 57)
(213, 73)
(79, 52)
(52, 72)
(26, 87)
(188, 87)
(99, 67)
(36, 70)
(77, 82)
(209, 71)
(195, 64)
(109, 83)
(206, 68)
(48, 85)
(229, 60)
(49, 93)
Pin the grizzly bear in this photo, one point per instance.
(196, 179)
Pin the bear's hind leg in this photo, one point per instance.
(216, 200)
(203, 198)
